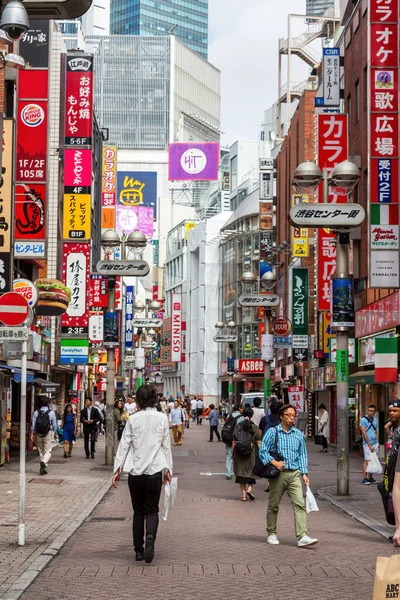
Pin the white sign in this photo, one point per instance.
(76, 269)
(267, 347)
(384, 236)
(146, 323)
(230, 339)
(176, 326)
(331, 76)
(30, 249)
(149, 344)
(266, 164)
(139, 358)
(296, 397)
(96, 327)
(123, 268)
(300, 341)
(266, 185)
(343, 216)
(384, 269)
(20, 334)
(267, 300)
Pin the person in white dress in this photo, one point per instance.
(323, 426)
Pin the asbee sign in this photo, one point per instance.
(252, 365)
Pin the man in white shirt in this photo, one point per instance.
(145, 453)
(258, 412)
(193, 408)
(130, 406)
(200, 408)
(170, 404)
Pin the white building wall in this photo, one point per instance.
(97, 19)
(248, 154)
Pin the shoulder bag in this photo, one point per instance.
(268, 471)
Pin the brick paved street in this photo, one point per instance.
(213, 546)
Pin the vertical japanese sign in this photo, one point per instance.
(176, 326)
(326, 267)
(79, 100)
(6, 262)
(300, 244)
(77, 194)
(384, 142)
(98, 292)
(109, 187)
(76, 268)
(331, 76)
(129, 299)
(300, 312)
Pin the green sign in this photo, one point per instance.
(267, 388)
(342, 366)
(300, 301)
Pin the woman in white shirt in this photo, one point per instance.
(323, 424)
(145, 453)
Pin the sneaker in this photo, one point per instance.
(306, 541)
(42, 468)
(273, 540)
(149, 550)
(139, 556)
(228, 476)
(372, 480)
(366, 481)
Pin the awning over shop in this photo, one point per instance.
(16, 373)
(360, 377)
(48, 387)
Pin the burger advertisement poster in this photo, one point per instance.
(76, 268)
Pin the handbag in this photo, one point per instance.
(319, 440)
(387, 576)
(121, 428)
(269, 471)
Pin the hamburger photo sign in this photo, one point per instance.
(54, 298)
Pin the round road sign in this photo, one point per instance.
(282, 326)
(14, 309)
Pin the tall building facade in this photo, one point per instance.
(318, 7)
(187, 18)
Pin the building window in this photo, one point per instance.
(234, 172)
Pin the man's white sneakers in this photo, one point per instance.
(306, 541)
(273, 540)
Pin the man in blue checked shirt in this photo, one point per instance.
(293, 468)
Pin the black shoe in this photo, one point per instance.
(65, 455)
(92, 456)
(149, 550)
(139, 556)
(87, 455)
(220, 440)
(42, 468)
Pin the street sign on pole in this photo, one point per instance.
(14, 334)
(146, 323)
(123, 268)
(268, 300)
(230, 339)
(342, 216)
(282, 326)
(14, 309)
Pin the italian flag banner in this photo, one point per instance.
(386, 359)
(384, 214)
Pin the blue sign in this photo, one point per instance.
(342, 299)
(318, 101)
(384, 180)
(283, 342)
(137, 188)
(129, 299)
(111, 322)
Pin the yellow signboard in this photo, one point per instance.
(327, 331)
(300, 245)
(98, 358)
(77, 216)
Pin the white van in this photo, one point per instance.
(249, 398)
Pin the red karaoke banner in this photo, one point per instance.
(76, 269)
(332, 147)
(79, 100)
(326, 267)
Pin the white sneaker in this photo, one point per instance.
(307, 541)
(273, 540)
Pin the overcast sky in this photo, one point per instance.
(243, 44)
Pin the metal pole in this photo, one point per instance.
(230, 382)
(289, 75)
(22, 448)
(110, 393)
(325, 186)
(267, 364)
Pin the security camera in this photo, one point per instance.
(14, 20)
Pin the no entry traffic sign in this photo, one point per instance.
(282, 326)
(14, 309)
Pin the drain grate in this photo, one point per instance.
(46, 481)
(100, 519)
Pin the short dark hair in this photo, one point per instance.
(257, 402)
(212, 406)
(275, 406)
(146, 396)
(322, 405)
(42, 400)
(248, 412)
(284, 408)
(372, 406)
(236, 408)
(247, 405)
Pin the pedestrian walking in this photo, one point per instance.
(176, 420)
(227, 434)
(323, 424)
(119, 421)
(193, 408)
(145, 453)
(44, 423)
(369, 432)
(289, 442)
(213, 418)
(170, 404)
(245, 439)
(164, 406)
(199, 411)
(90, 418)
(258, 412)
(103, 424)
(69, 426)
(130, 406)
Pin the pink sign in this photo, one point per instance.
(193, 162)
(77, 168)
(131, 218)
(332, 146)
(378, 316)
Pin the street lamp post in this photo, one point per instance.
(139, 306)
(343, 178)
(230, 328)
(110, 240)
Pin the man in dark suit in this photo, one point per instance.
(90, 417)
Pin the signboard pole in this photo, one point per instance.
(230, 381)
(22, 447)
(110, 392)
(267, 364)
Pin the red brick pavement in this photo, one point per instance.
(214, 546)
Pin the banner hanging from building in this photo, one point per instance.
(193, 161)
(383, 110)
(300, 245)
(98, 292)
(76, 269)
(129, 300)
(138, 189)
(79, 100)
(109, 187)
(176, 327)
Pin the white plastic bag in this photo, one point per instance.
(170, 490)
(374, 464)
(311, 503)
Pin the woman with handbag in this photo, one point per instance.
(323, 424)
(245, 439)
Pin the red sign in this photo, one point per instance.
(378, 316)
(109, 176)
(332, 147)
(384, 135)
(383, 12)
(76, 269)
(79, 100)
(282, 326)
(326, 267)
(384, 90)
(13, 309)
(77, 167)
(30, 211)
(31, 141)
(384, 45)
(98, 294)
(251, 365)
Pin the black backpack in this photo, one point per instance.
(228, 430)
(42, 425)
(244, 444)
(385, 488)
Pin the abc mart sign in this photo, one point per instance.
(251, 365)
